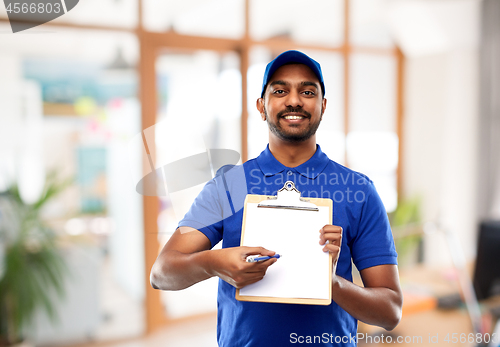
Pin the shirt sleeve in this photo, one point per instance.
(205, 214)
(374, 243)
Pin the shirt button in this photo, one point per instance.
(289, 173)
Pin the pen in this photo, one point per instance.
(256, 258)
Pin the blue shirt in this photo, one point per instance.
(367, 239)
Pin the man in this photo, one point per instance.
(292, 102)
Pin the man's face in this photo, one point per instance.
(293, 104)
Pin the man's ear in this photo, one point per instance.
(323, 107)
(261, 108)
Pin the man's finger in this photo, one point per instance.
(262, 265)
(259, 250)
(331, 238)
(331, 229)
(331, 248)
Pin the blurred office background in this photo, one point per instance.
(115, 89)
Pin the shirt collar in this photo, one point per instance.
(270, 166)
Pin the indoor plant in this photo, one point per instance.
(407, 230)
(32, 268)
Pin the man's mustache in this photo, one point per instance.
(294, 110)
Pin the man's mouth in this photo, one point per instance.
(293, 117)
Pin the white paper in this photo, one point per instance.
(303, 269)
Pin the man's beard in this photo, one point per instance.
(277, 130)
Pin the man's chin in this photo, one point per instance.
(294, 138)
(292, 132)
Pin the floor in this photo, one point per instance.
(423, 329)
(122, 323)
(430, 327)
(192, 333)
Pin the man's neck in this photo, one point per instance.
(292, 154)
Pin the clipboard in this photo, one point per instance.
(289, 224)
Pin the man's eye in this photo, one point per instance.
(279, 91)
(308, 92)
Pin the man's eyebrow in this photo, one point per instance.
(279, 82)
(284, 83)
(308, 83)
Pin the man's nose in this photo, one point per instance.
(294, 99)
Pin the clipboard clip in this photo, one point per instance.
(288, 198)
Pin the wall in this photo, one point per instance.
(441, 126)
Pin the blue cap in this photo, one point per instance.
(290, 57)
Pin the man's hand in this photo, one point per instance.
(230, 265)
(186, 259)
(331, 237)
(379, 302)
